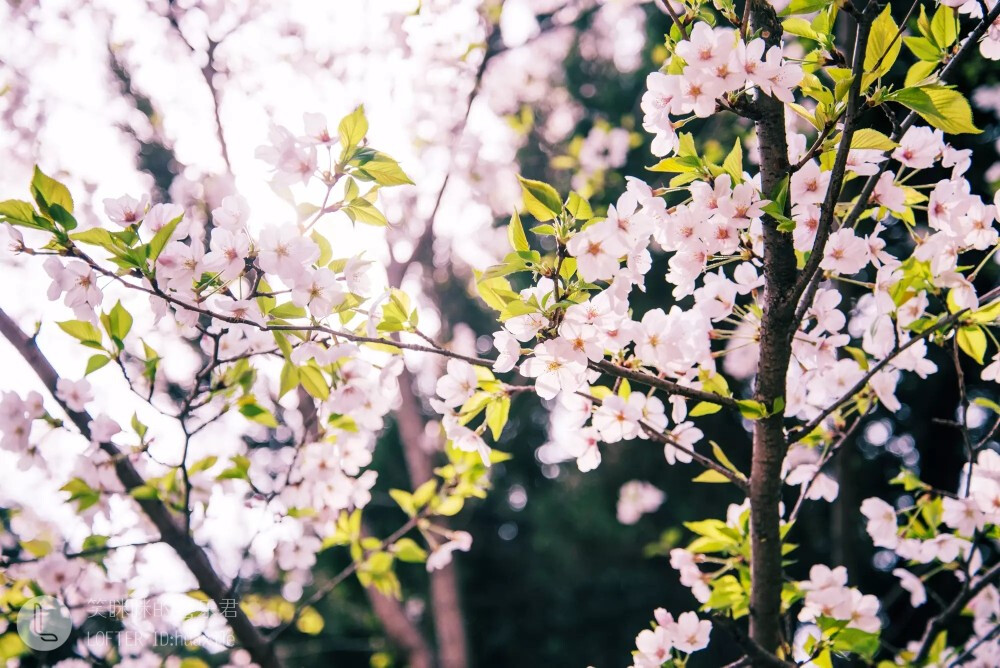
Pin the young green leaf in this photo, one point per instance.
(540, 199)
(515, 234)
(351, 131)
(944, 108)
(883, 47)
(160, 239)
(53, 199)
(972, 341)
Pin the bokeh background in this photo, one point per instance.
(171, 98)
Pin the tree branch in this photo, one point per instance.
(946, 72)
(839, 170)
(938, 623)
(772, 368)
(667, 386)
(804, 431)
(171, 532)
(755, 653)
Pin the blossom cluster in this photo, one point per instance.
(712, 63)
(685, 635)
(223, 284)
(938, 535)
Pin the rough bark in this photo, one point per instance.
(775, 349)
(446, 606)
(784, 288)
(400, 629)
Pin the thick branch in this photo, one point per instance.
(772, 368)
(403, 632)
(171, 531)
(755, 653)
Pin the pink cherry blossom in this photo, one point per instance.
(75, 394)
(284, 252)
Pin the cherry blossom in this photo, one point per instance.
(458, 385)
(76, 394)
(635, 499)
(555, 368)
(126, 210)
(284, 252)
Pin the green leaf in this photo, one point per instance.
(289, 379)
(800, 27)
(81, 330)
(515, 234)
(972, 341)
(382, 169)
(193, 662)
(540, 199)
(943, 27)
(578, 207)
(681, 164)
(422, 495)
(727, 593)
(406, 549)
(53, 198)
(23, 214)
(404, 500)
(883, 47)
(923, 49)
(733, 164)
(81, 492)
(919, 72)
(856, 641)
(779, 196)
(254, 411)
(987, 403)
(752, 410)
(986, 314)
(325, 252)
(161, 238)
(119, 323)
(803, 7)
(37, 547)
(450, 506)
(944, 108)
(287, 310)
(711, 476)
(238, 471)
(704, 408)
(144, 493)
(496, 415)
(98, 236)
(313, 381)
(352, 130)
(96, 362)
(723, 459)
(203, 464)
(496, 292)
(361, 210)
(872, 139)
